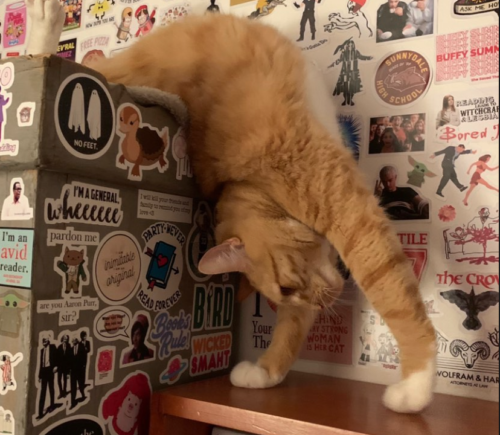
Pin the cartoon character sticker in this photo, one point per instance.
(176, 366)
(11, 305)
(179, 151)
(416, 177)
(14, 29)
(126, 408)
(73, 12)
(145, 20)
(351, 17)
(7, 364)
(124, 34)
(265, 7)
(142, 147)
(8, 147)
(25, 114)
(72, 266)
(99, 8)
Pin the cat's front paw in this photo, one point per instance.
(250, 375)
(411, 395)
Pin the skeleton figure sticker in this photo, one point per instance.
(84, 116)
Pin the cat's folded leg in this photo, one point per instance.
(47, 20)
(292, 325)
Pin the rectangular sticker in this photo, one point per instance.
(16, 255)
(164, 207)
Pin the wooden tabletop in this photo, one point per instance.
(306, 404)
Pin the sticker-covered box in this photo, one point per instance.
(101, 231)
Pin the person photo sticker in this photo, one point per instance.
(84, 116)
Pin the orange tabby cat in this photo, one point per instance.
(285, 184)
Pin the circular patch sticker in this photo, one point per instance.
(117, 268)
(84, 116)
(402, 78)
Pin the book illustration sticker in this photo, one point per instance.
(163, 264)
(84, 116)
(117, 268)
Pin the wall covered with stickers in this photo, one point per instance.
(416, 87)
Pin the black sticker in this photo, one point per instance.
(84, 116)
(76, 426)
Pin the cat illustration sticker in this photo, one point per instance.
(7, 364)
(142, 147)
(125, 409)
(84, 116)
(8, 147)
(72, 266)
(402, 78)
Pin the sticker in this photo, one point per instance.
(176, 366)
(200, 239)
(173, 13)
(308, 12)
(112, 324)
(25, 114)
(14, 27)
(163, 260)
(145, 20)
(11, 305)
(400, 203)
(430, 308)
(467, 55)
(73, 12)
(8, 147)
(447, 213)
(85, 203)
(124, 31)
(117, 268)
(140, 349)
(99, 12)
(330, 337)
(126, 408)
(72, 266)
(93, 48)
(450, 155)
(350, 130)
(415, 248)
(16, 257)
(419, 172)
(16, 206)
(350, 16)
(80, 424)
(172, 333)
(264, 8)
(471, 304)
(210, 353)
(406, 20)
(164, 207)
(84, 116)
(213, 306)
(72, 237)
(467, 363)
(7, 422)
(466, 7)
(214, 8)
(397, 133)
(402, 78)
(67, 361)
(179, 151)
(67, 49)
(105, 365)
(7, 364)
(68, 309)
(493, 337)
(142, 147)
(474, 242)
(349, 79)
(487, 280)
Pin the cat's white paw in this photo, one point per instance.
(47, 21)
(250, 375)
(412, 394)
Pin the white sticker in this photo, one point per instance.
(164, 207)
(72, 267)
(8, 147)
(72, 237)
(85, 203)
(112, 324)
(140, 350)
(7, 422)
(179, 151)
(117, 268)
(16, 206)
(26, 114)
(7, 364)
(68, 309)
(105, 365)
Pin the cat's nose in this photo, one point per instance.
(287, 291)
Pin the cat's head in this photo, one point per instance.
(73, 257)
(280, 257)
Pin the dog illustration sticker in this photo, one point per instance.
(142, 147)
(402, 78)
(84, 116)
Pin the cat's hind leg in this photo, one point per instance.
(292, 325)
(47, 20)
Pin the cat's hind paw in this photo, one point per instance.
(411, 395)
(250, 375)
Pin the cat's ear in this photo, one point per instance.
(229, 256)
(245, 289)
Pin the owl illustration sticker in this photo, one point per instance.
(402, 78)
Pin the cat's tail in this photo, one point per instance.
(325, 190)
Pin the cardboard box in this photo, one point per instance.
(101, 229)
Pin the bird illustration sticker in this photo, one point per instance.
(142, 147)
(84, 116)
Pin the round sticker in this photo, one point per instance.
(84, 116)
(117, 268)
(402, 78)
(7, 75)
